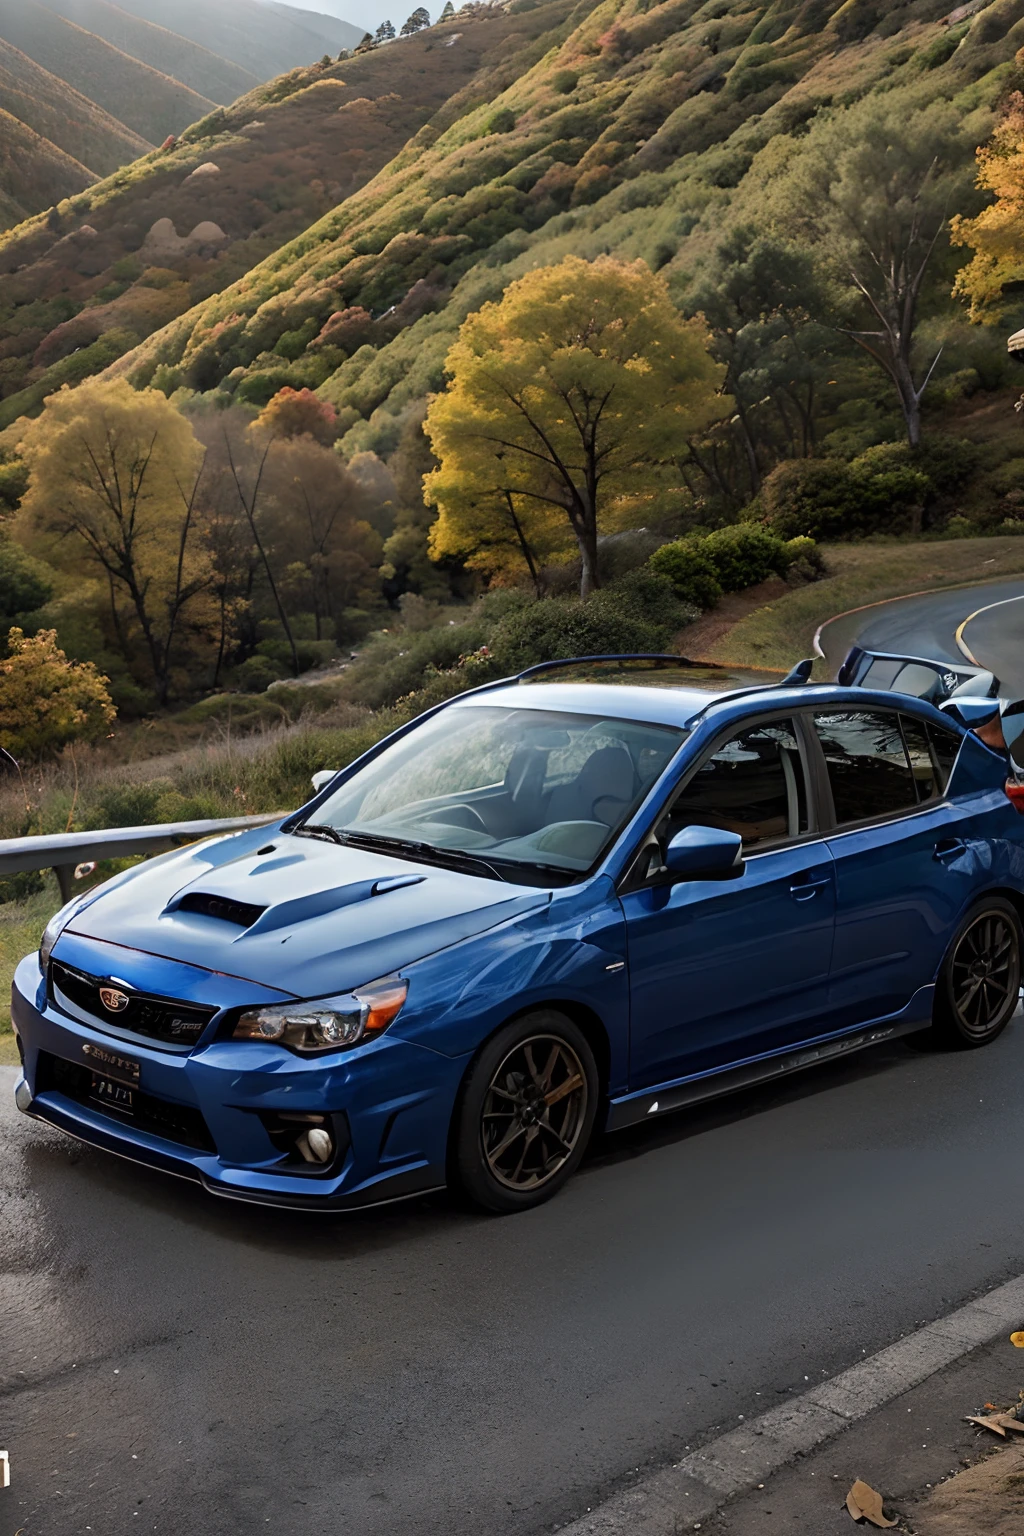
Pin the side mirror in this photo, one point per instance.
(323, 777)
(705, 853)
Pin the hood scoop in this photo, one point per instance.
(256, 920)
(242, 913)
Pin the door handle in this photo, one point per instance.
(809, 888)
(949, 848)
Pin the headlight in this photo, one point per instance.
(55, 927)
(328, 1023)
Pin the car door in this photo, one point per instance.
(721, 970)
(900, 887)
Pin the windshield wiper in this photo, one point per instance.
(427, 853)
(318, 829)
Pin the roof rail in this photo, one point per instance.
(577, 661)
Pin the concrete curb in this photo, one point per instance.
(682, 1496)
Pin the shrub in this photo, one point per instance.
(743, 555)
(691, 572)
(47, 701)
(638, 614)
(502, 121)
(815, 497)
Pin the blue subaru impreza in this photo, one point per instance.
(545, 905)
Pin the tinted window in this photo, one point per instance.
(753, 785)
(867, 764)
(922, 764)
(945, 746)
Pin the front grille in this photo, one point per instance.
(243, 913)
(160, 1117)
(156, 1018)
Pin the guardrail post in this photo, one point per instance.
(65, 879)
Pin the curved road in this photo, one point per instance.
(989, 617)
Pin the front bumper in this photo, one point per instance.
(210, 1107)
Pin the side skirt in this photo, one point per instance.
(634, 1107)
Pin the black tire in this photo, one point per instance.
(525, 1114)
(978, 988)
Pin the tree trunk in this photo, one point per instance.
(524, 545)
(587, 541)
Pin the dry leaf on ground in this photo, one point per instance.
(998, 1423)
(865, 1504)
(1017, 1339)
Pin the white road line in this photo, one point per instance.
(676, 1499)
(962, 643)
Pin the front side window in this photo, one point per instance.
(516, 787)
(867, 763)
(753, 784)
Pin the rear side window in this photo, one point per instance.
(868, 769)
(945, 746)
(753, 784)
(922, 761)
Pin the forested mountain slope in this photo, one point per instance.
(284, 154)
(264, 39)
(69, 120)
(643, 130)
(145, 100)
(33, 172)
(216, 78)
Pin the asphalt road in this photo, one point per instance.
(927, 626)
(171, 1362)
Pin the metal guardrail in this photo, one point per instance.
(64, 852)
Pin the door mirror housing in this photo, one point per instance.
(324, 776)
(705, 853)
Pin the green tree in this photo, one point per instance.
(765, 302)
(582, 384)
(113, 481)
(385, 32)
(878, 188)
(25, 584)
(419, 19)
(448, 12)
(47, 700)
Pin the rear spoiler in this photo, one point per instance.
(999, 723)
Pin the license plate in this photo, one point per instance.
(114, 1078)
(112, 1095)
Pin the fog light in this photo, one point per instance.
(320, 1144)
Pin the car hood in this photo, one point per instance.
(306, 917)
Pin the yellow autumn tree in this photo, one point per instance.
(47, 700)
(113, 481)
(996, 235)
(581, 386)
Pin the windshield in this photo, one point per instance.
(527, 787)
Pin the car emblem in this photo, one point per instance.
(113, 1000)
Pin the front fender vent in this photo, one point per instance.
(242, 913)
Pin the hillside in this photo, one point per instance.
(145, 100)
(285, 154)
(264, 39)
(33, 172)
(647, 132)
(76, 125)
(213, 77)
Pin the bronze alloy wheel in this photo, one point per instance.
(534, 1112)
(984, 973)
(524, 1114)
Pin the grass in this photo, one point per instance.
(781, 632)
(21, 927)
